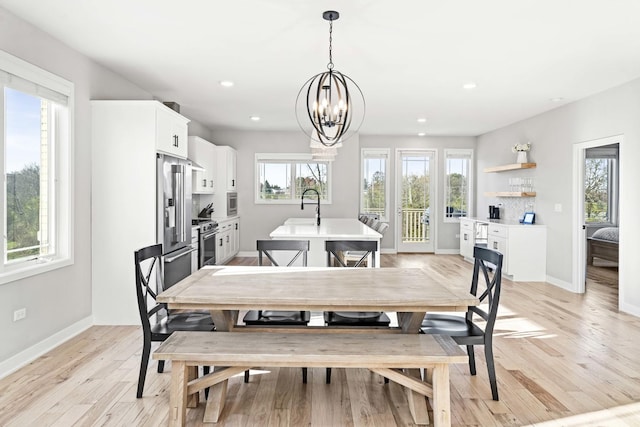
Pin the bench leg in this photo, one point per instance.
(215, 402)
(178, 394)
(192, 399)
(417, 402)
(441, 396)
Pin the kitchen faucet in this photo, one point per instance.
(317, 207)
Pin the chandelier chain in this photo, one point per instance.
(330, 64)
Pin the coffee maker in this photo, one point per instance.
(494, 212)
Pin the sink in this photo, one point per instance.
(300, 221)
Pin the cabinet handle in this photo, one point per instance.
(227, 239)
(233, 182)
(175, 140)
(236, 226)
(204, 182)
(211, 181)
(495, 246)
(466, 236)
(221, 242)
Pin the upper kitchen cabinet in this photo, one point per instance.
(225, 198)
(203, 153)
(226, 166)
(171, 132)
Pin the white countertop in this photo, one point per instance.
(508, 223)
(334, 228)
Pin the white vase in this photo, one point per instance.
(522, 157)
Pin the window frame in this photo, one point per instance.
(612, 155)
(293, 159)
(464, 153)
(368, 153)
(62, 179)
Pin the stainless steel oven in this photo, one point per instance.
(207, 243)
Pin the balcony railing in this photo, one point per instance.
(415, 227)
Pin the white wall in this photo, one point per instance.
(259, 220)
(613, 112)
(59, 301)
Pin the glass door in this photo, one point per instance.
(415, 201)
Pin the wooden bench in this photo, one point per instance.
(385, 354)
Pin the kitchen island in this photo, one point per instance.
(329, 229)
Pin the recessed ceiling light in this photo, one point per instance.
(421, 134)
(558, 99)
(469, 85)
(422, 120)
(255, 118)
(226, 83)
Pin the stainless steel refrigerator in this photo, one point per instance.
(174, 217)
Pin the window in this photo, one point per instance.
(374, 196)
(457, 183)
(282, 178)
(36, 113)
(601, 185)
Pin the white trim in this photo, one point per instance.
(630, 308)
(288, 158)
(567, 286)
(447, 252)
(470, 182)
(578, 234)
(28, 355)
(377, 153)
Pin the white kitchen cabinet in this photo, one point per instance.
(171, 132)
(524, 250)
(202, 152)
(125, 139)
(227, 240)
(225, 177)
(472, 232)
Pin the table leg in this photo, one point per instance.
(410, 324)
(225, 321)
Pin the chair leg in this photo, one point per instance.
(205, 371)
(146, 349)
(246, 376)
(488, 354)
(472, 360)
(160, 366)
(328, 380)
(304, 375)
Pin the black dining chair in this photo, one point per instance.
(336, 250)
(157, 322)
(266, 249)
(463, 330)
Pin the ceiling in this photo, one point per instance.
(410, 58)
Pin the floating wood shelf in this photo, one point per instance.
(511, 194)
(511, 167)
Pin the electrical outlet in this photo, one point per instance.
(19, 314)
(557, 207)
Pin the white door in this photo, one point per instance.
(415, 200)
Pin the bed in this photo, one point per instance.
(603, 244)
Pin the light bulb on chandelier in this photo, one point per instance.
(328, 109)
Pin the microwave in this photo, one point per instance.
(232, 204)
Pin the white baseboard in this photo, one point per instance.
(567, 286)
(391, 251)
(447, 252)
(25, 357)
(630, 309)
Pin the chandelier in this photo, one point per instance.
(333, 111)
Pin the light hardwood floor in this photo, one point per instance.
(562, 360)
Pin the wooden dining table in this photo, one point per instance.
(409, 292)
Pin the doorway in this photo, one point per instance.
(415, 200)
(596, 206)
